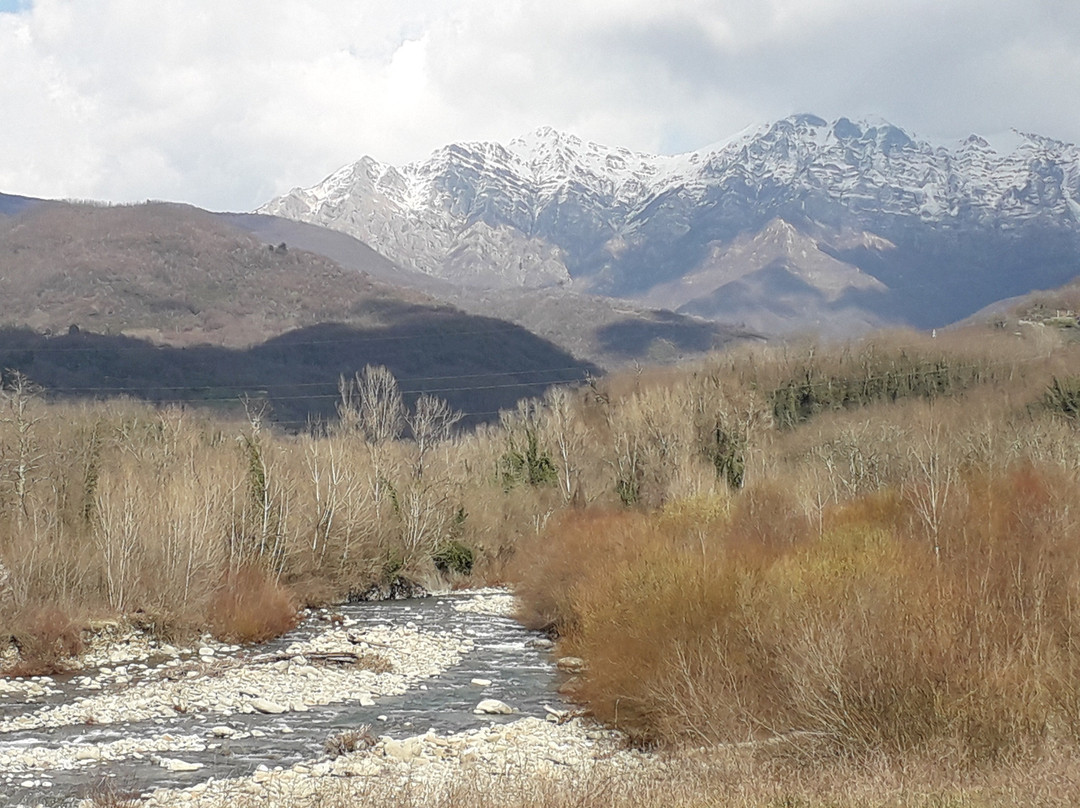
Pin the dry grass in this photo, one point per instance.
(109, 791)
(252, 607)
(348, 741)
(45, 636)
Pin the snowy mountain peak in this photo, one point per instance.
(543, 139)
(551, 208)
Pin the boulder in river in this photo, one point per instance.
(174, 765)
(492, 707)
(405, 750)
(268, 707)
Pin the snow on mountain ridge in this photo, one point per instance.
(556, 206)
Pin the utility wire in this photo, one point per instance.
(262, 346)
(333, 384)
(256, 389)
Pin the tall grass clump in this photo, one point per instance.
(250, 606)
(45, 635)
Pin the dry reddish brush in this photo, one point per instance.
(550, 563)
(45, 636)
(893, 578)
(252, 607)
(866, 638)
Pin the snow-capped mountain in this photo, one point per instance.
(793, 224)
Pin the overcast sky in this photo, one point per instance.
(225, 103)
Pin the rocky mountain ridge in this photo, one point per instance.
(881, 227)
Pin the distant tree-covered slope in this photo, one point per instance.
(170, 303)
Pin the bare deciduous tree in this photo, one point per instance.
(932, 483)
(371, 405)
(566, 435)
(431, 421)
(17, 394)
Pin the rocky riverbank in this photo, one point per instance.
(339, 664)
(135, 703)
(529, 747)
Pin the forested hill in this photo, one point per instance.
(168, 303)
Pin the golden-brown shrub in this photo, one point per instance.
(864, 637)
(251, 606)
(45, 636)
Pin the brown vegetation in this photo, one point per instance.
(860, 636)
(896, 577)
(44, 636)
(174, 274)
(868, 550)
(184, 523)
(250, 606)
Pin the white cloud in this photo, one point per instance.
(226, 103)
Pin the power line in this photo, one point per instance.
(257, 390)
(262, 346)
(332, 384)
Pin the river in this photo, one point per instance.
(496, 649)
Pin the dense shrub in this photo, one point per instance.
(45, 636)
(873, 378)
(861, 637)
(251, 607)
(1063, 397)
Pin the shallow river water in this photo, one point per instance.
(521, 675)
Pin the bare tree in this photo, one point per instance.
(430, 422)
(566, 436)
(424, 513)
(933, 483)
(371, 404)
(116, 538)
(17, 394)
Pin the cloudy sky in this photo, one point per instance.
(225, 103)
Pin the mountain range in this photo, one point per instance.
(489, 271)
(800, 224)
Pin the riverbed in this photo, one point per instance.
(169, 718)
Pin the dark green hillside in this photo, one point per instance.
(170, 303)
(479, 365)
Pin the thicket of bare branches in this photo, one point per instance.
(119, 508)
